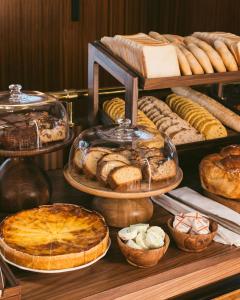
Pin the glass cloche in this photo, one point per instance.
(123, 158)
(30, 120)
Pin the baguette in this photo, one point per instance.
(159, 37)
(225, 115)
(212, 54)
(193, 62)
(226, 55)
(183, 62)
(201, 57)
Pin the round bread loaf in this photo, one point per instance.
(220, 172)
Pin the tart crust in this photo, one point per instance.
(54, 237)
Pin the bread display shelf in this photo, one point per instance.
(101, 56)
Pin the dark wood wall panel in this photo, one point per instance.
(42, 48)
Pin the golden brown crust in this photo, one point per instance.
(221, 175)
(54, 237)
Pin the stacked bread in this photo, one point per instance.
(123, 169)
(223, 114)
(204, 52)
(149, 57)
(115, 109)
(180, 131)
(197, 116)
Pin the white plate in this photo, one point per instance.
(58, 271)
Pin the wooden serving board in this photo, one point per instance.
(233, 204)
(82, 183)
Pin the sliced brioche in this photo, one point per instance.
(105, 167)
(128, 177)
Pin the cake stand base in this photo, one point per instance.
(23, 185)
(124, 212)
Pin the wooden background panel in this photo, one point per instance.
(43, 49)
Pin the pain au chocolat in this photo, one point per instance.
(54, 237)
(220, 172)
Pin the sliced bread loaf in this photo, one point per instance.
(105, 167)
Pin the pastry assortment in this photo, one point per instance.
(220, 172)
(197, 116)
(124, 169)
(54, 237)
(31, 130)
(142, 236)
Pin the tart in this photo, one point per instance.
(54, 237)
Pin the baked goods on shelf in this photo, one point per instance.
(54, 237)
(197, 116)
(222, 113)
(115, 109)
(149, 57)
(168, 122)
(220, 172)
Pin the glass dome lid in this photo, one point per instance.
(31, 122)
(123, 158)
(17, 99)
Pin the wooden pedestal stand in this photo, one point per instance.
(120, 209)
(23, 184)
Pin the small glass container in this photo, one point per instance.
(123, 158)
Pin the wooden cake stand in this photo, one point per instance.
(23, 184)
(125, 208)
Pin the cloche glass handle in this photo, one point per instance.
(15, 92)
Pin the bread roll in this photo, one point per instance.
(193, 62)
(212, 54)
(201, 57)
(226, 55)
(225, 115)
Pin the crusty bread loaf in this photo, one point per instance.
(105, 167)
(149, 57)
(126, 177)
(156, 170)
(201, 57)
(225, 115)
(197, 116)
(212, 54)
(196, 68)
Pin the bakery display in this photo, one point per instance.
(147, 56)
(143, 245)
(180, 131)
(222, 113)
(197, 116)
(220, 172)
(53, 237)
(30, 130)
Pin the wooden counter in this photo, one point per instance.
(113, 278)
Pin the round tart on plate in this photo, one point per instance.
(54, 237)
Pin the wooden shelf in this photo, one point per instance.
(99, 55)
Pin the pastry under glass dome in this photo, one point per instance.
(30, 120)
(123, 159)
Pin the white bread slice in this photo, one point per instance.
(149, 57)
(105, 167)
(125, 178)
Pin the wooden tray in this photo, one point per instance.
(80, 182)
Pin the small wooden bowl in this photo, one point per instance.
(193, 242)
(143, 258)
